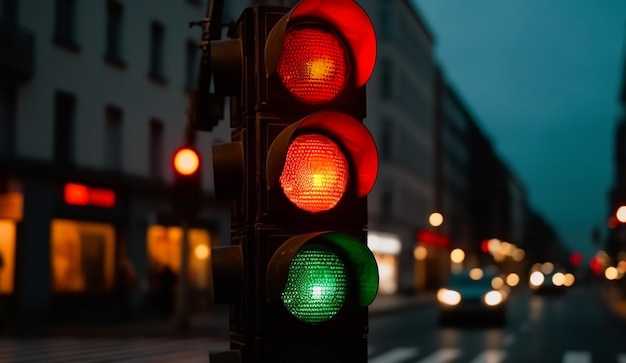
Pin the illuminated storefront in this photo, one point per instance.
(431, 259)
(386, 248)
(82, 256)
(11, 205)
(7, 256)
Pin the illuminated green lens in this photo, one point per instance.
(316, 285)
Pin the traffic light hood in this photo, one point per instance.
(346, 17)
(357, 257)
(349, 133)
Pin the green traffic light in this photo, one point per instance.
(317, 284)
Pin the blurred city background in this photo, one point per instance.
(93, 98)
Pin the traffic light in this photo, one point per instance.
(186, 199)
(298, 273)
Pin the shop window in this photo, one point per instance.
(82, 255)
(387, 273)
(164, 250)
(7, 256)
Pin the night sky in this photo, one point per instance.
(542, 79)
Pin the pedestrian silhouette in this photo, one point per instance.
(167, 282)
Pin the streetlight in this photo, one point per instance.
(621, 214)
(435, 219)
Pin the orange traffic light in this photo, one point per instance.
(315, 175)
(186, 199)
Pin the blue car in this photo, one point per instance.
(469, 298)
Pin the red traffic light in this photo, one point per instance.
(575, 259)
(314, 159)
(320, 46)
(186, 161)
(313, 64)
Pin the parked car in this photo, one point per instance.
(465, 298)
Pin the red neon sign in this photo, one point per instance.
(79, 194)
(432, 238)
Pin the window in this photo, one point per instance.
(8, 12)
(113, 139)
(82, 256)
(385, 10)
(7, 121)
(157, 38)
(386, 140)
(113, 51)
(190, 64)
(65, 24)
(156, 149)
(64, 124)
(385, 75)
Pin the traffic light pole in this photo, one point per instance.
(196, 110)
(182, 313)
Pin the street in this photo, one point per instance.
(577, 327)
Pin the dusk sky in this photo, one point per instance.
(542, 79)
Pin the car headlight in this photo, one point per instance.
(448, 297)
(536, 278)
(493, 298)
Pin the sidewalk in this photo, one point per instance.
(210, 324)
(615, 297)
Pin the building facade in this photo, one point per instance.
(400, 115)
(92, 109)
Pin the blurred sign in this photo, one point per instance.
(11, 206)
(425, 236)
(79, 194)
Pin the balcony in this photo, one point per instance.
(17, 54)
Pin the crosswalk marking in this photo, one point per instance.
(490, 356)
(139, 350)
(441, 356)
(395, 355)
(196, 350)
(577, 357)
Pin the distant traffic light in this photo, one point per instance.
(298, 272)
(186, 199)
(576, 258)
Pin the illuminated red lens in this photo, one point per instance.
(315, 175)
(313, 64)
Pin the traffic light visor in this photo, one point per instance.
(347, 19)
(186, 161)
(316, 274)
(316, 136)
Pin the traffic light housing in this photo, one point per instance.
(186, 199)
(298, 273)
